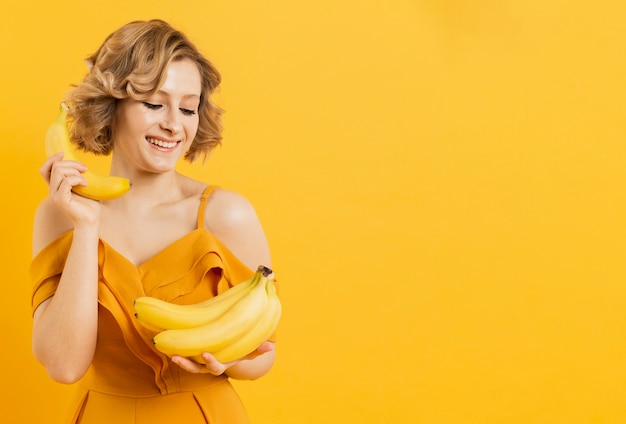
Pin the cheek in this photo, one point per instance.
(129, 124)
(192, 129)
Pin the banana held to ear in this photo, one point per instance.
(157, 314)
(244, 326)
(99, 187)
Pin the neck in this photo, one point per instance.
(150, 188)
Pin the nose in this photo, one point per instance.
(171, 122)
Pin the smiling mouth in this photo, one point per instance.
(161, 143)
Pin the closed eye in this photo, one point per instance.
(152, 106)
(156, 106)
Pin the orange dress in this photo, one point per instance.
(129, 381)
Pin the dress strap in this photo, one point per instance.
(203, 201)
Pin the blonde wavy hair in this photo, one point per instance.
(132, 63)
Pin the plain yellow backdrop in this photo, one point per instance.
(441, 183)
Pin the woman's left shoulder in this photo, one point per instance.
(231, 217)
(227, 206)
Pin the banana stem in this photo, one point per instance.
(265, 270)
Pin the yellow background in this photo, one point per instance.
(441, 183)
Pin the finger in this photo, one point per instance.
(64, 173)
(188, 365)
(213, 366)
(55, 170)
(63, 186)
(264, 348)
(46, 168)
(66, 168)
(65, 165)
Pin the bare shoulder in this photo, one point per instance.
(229, 207)
(49, 224)
(233, 219)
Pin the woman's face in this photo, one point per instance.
(153, 134)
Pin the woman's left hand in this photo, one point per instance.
(215, 367)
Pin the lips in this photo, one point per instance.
(162, 143)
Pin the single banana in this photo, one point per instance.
(261, 332)
(219, 333)
(149, 325)
(157, 314)
(99, 187)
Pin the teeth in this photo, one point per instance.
(161, 143)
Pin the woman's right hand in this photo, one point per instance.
(61, 176)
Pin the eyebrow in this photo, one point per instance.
(186, 96)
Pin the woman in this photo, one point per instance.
(147, 101)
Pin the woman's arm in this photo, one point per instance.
(233, 220)
(65, 326)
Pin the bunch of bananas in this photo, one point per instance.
(229, 325)
(99, 187)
